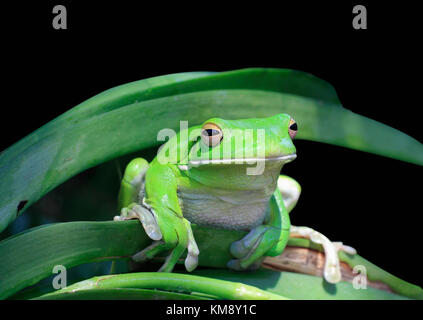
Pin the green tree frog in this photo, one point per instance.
(224, 174)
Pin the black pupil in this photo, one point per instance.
(294, 127)
(211, 132)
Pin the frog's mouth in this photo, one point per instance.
(283, 159)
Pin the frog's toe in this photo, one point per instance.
(158, 247)
(236, 264)
(126, 214)
(347, 249)
(172, 258)
(148, 221)
(168, 265)
(256, 264)
(148, 252)
(332, 268)
(155, 248)
(254, 246)
(241, 248)
(191, 261)
(253, 256)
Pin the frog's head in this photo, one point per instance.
(244, 141)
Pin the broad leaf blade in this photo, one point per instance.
(299, 286)
(89, 134)
(121, 294)
(31, 256)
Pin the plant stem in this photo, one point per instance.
(120, 293)
(171, 282)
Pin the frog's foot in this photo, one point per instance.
(173, 241)
(290, 190)
(177, 242)
(250, 250)
(147, 219)
(332, 269)
(235, 264)
(191, 261)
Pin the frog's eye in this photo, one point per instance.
(211, 134)
(293, 128)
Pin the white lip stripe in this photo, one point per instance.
(227, 161)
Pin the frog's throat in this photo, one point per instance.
(283, 159)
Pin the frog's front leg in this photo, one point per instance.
(131, 195)
(156, 205)
(132, 187)
(268, 239)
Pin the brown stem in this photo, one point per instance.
(309, 261)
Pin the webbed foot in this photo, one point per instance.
(332, 269)
(259, 242)
(170, 239)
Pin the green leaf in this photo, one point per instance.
(221, 289)
(120, 294)
(31, 256)
(299, 286)
(127, 118)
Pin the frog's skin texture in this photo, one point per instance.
(195, 182)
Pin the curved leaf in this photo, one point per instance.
(299, 286)
(221, 289)
(127, 118)
(120, 294)
(31, 256)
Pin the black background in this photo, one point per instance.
(369, 202)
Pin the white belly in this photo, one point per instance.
(228, 209)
